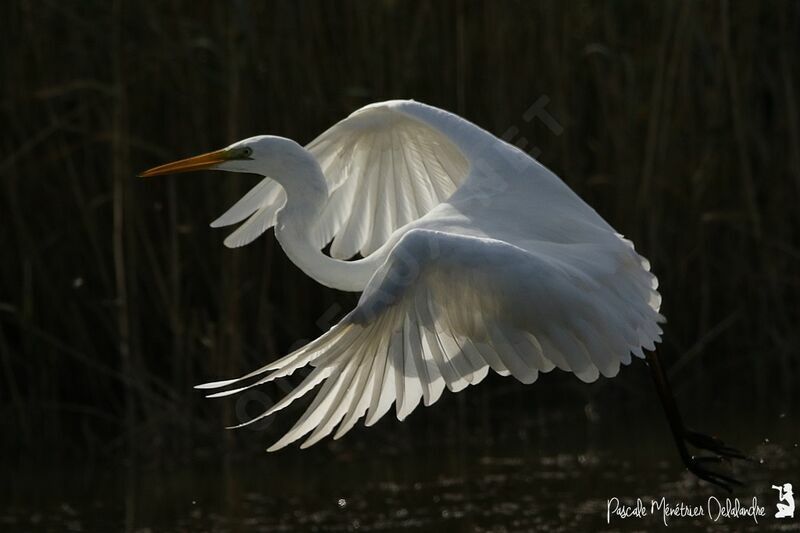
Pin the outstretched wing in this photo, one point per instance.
(384, 169)
(446, 308)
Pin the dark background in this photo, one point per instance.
(677, 121)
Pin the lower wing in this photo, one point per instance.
(446, 308)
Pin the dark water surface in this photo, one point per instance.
(556, 484)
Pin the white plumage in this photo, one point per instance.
(375, 153)
(476, 257)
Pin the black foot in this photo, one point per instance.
(696, 465)
(713, 445)
(722, 452)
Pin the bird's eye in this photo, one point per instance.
(247, 151)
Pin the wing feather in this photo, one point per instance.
(357, 194)
(266, 194)
(411, 383)
(375, 359)
(379, 155)
(506, 350)
(476, 304)
(433, 382)
(384, 392)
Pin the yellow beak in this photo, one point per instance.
(198, 162)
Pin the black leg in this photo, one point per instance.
(682, 436)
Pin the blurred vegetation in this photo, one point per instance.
(678, 122)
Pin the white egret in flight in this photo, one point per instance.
(475, 257)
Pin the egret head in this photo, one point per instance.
(256, 155)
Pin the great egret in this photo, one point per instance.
(475, 257)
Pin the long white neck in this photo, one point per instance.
(306, 193)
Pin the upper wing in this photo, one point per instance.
(384, 169)
(445, 308)
(261, 204)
